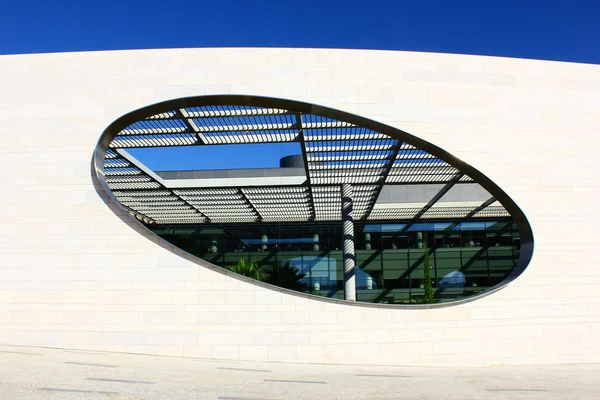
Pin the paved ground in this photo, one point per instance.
(38, 373)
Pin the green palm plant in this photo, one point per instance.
(248, 268)
(286, 276)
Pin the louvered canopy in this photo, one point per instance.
(335, 152)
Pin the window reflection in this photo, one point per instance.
(467, 258)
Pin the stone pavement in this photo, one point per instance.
(40, 373)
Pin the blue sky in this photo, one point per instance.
(545, 29)
(215, 157)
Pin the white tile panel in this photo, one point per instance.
(530, 126)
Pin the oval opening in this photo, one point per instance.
(314, 200)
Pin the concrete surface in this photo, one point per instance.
(42, 373)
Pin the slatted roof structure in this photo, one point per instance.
(335, 152)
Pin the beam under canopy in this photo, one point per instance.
(434, 200)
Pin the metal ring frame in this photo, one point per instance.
(525, 231)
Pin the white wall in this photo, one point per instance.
(73, 274)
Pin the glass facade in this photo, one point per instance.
(465, 258)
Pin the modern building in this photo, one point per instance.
(427, 209)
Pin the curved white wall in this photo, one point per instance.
(73, 274)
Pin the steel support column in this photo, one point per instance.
(348, 244)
